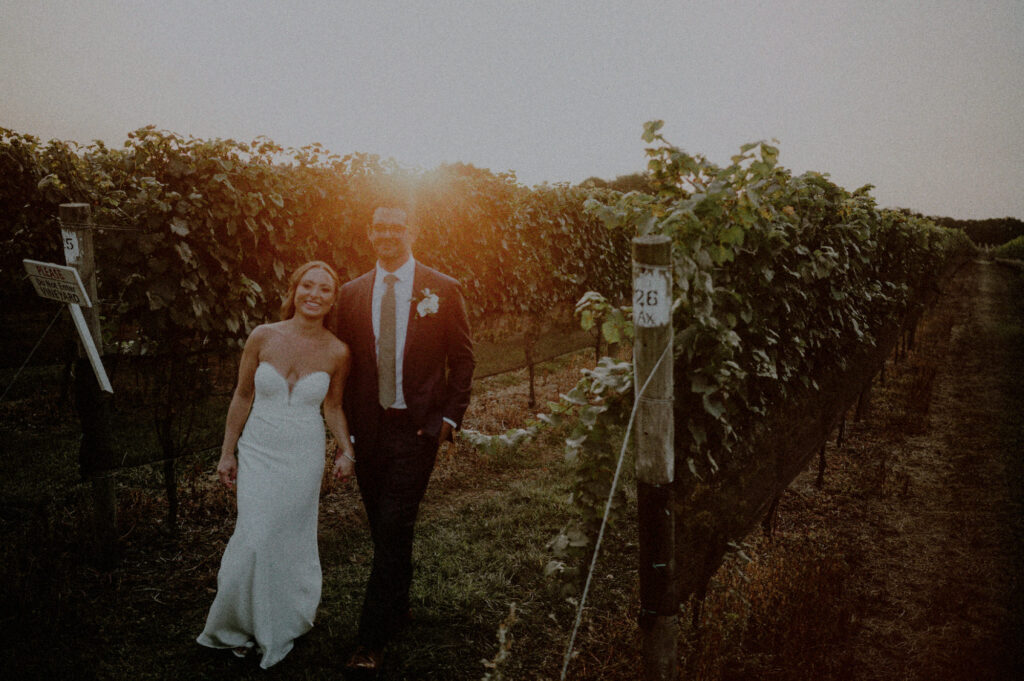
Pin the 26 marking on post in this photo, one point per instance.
(652, 302)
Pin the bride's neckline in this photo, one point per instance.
(291, 386)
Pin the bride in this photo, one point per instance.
(268, 586)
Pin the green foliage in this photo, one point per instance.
(29, 191)
(990, 232)
(197, 237)
(195, 241)
(597, 408)
(776, 280)
(776, 277)
(616, 323)
(1012, 250)
(634, 182)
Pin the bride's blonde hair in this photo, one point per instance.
(288, 305)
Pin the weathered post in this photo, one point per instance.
(95, 455)
(655, 458)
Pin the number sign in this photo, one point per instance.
(652, 302)
(72, 253)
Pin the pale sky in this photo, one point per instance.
(925, 100)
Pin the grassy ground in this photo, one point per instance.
(899, 567)
(481, 548)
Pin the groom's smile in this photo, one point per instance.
(392, 243)
(391, 237)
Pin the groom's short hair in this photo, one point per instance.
(390, 215)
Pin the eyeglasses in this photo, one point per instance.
(390, 227)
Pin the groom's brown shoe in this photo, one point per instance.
(364, 659)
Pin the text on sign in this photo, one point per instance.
(652, 302)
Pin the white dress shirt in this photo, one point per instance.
(403, 299)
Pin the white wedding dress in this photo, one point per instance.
(268, 587)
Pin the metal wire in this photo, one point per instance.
(608, 508)
(99, 226)
(32, 352)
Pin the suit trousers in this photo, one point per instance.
(392, 483)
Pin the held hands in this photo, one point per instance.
(344, 463)
(227, 469)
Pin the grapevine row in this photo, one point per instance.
(199, 235)
(789, 292)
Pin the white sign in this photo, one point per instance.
(90, 347)
(57, 282)
(652, 300)
(72, 253)
(63, 283)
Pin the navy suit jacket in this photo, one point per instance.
(437, 367)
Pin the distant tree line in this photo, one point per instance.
(987, 232)
(992, 231)
(634, 182)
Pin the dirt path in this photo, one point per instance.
(940, 573)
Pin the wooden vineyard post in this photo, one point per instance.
(95, 456)
(655, 458)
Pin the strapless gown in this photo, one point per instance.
(268, 586)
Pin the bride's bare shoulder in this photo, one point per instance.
(337, 348)
(268, 329)
(263, 333)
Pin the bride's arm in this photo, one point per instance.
(334, 415)
(238, 411)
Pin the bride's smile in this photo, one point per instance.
(315, 293)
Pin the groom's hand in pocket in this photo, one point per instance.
(447, 433)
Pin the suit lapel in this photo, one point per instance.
(366, 311)
(417, 287)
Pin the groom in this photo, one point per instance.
(412, 367)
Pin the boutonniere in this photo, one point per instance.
(427, 303)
